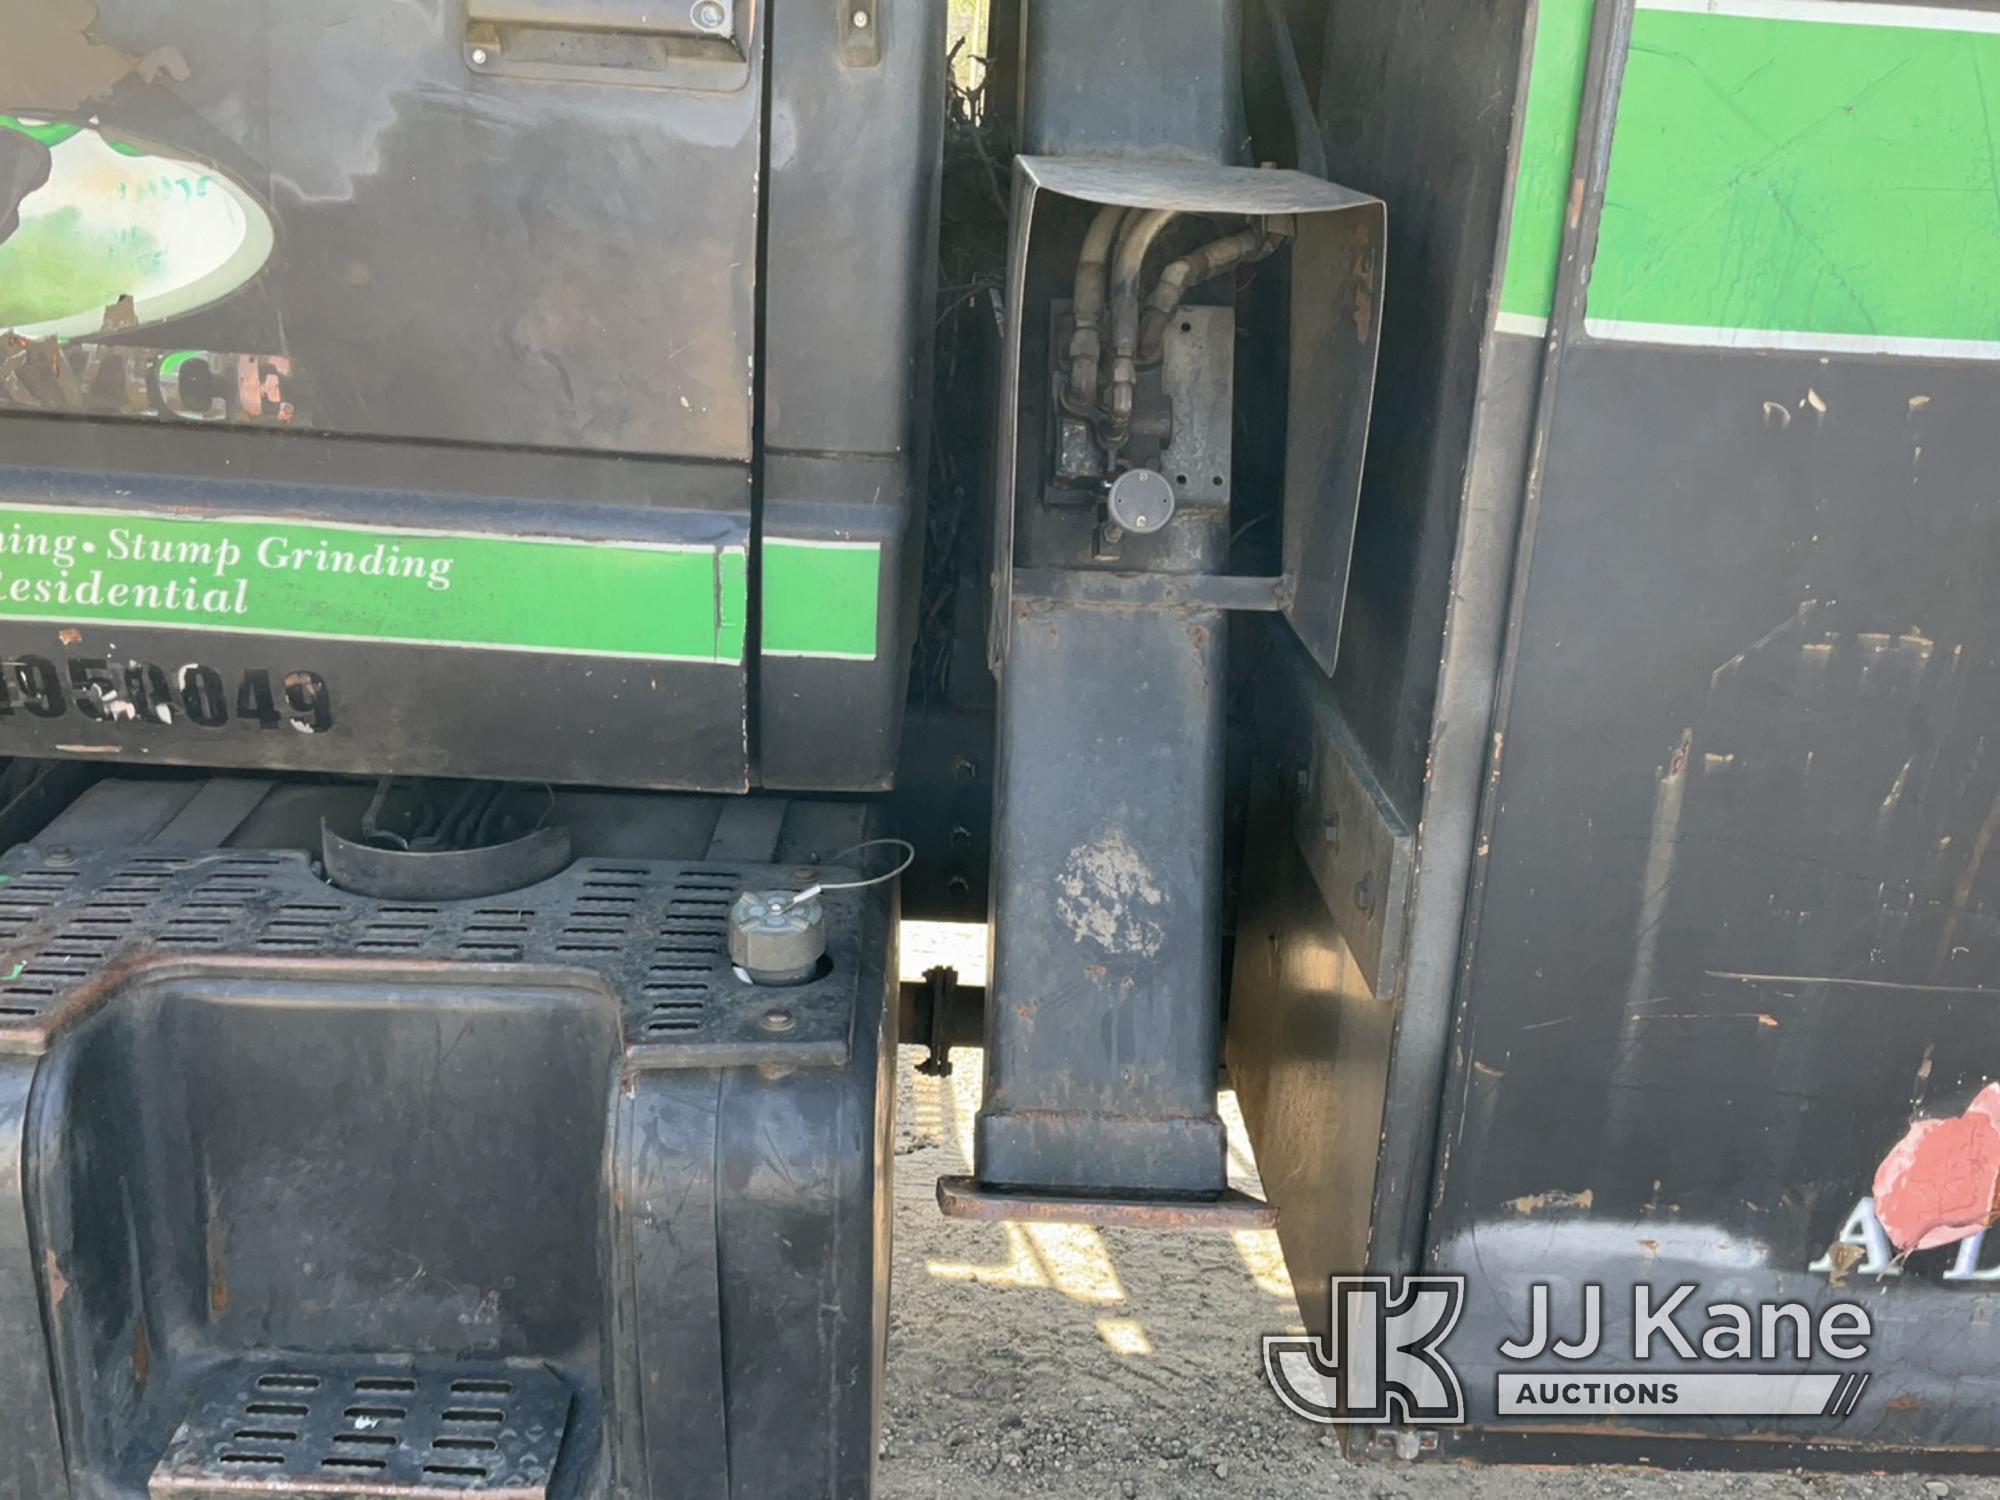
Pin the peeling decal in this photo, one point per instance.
(52, 62)
(1863, 1248)
(1940, 1183)
(112, 233)
(130, 691)
(1109, 896)
(1937, 1188)
(115, 380)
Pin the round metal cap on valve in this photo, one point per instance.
(1141, 500)
(775, 941)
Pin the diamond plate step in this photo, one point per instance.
(366, 1430)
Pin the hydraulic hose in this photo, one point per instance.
(1136, 239)
(1087, 309)
(1190, 270)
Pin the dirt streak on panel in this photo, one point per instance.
(1662, 848)
(1962, 895)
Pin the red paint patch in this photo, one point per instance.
(1941, 1183)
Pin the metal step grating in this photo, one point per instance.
(655, 932)
(303, 1427)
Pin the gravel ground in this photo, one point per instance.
(1046, 1360)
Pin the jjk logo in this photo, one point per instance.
(1382, 1360)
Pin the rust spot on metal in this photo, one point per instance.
(1531, 1203)
(1677, 763)
(58, 1283)
(1901, 1403)
(1485, 1070)
(69, 635)
(1844, 1258)
(218, 1279)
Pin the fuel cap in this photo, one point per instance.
(777, 937)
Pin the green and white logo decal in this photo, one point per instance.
(115, 219)
(653, 601)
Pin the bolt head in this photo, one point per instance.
(860, 20)
(711, 15)
(479, 57)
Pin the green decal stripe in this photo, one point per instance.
(1777, 181)
(53, 134)
(299, 578)
(821, 599)
(1548, 148)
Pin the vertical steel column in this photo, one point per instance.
(1160, 79)
(1102, 1033)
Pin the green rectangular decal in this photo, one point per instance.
(78, 565)
(1561, 51)
(821, 598)
(1814, 174)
